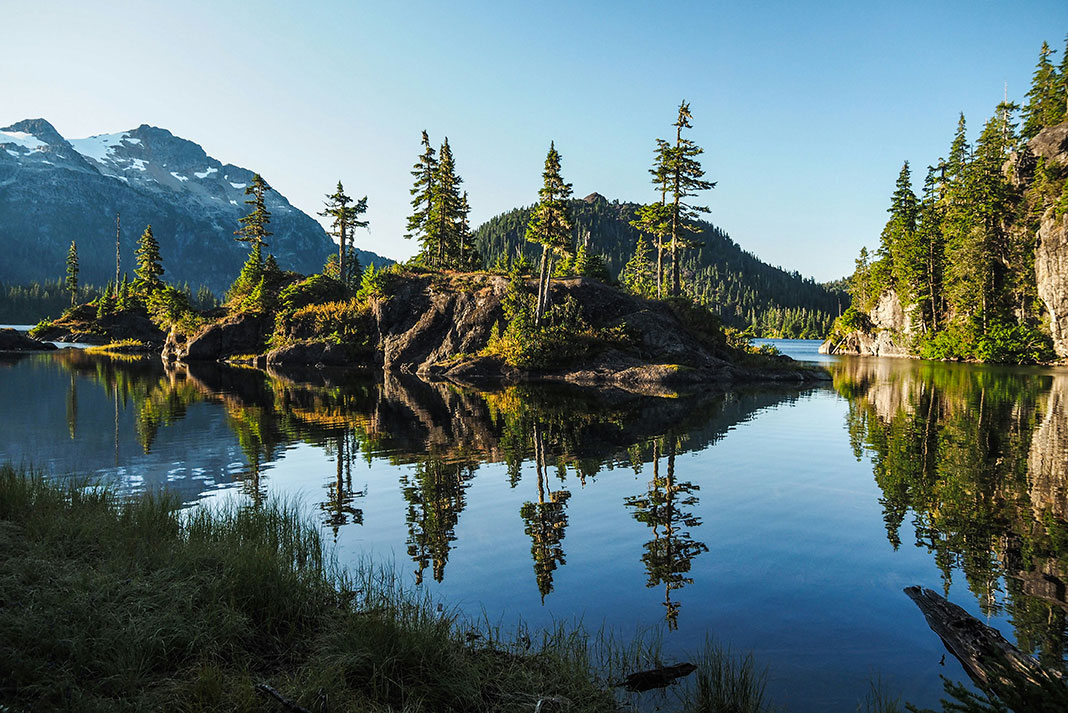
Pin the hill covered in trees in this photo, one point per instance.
(746, 292)
(974, 266)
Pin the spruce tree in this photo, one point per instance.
(1045, 105)
(931, 244)
(344, 214)
(149, 264)
(423, 171)
(550, 224)
(253, 228)
(654, 220)
(684, 176)
(637, 275)
(72, 272)
(441, 239)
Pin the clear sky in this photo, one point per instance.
(805, 110)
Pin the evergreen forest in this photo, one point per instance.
(959, 253)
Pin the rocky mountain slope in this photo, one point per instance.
(54, 190)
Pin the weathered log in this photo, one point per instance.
(288, 704)
(994, 664)
(656, 678)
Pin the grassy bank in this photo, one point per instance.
(111, 605)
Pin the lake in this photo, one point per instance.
(781, 521)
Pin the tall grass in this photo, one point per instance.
(135, 605)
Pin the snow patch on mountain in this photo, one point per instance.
(207, 172)
(180, 177)
(101, 147)
(22, 139)
(238, 185)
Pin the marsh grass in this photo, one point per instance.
(109, 604)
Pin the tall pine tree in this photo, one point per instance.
(423, 171)
(344, 214)
(1045, 106)
(550, 224)
(684, 179)
(441, 241)
(71, 283)
(149, 264)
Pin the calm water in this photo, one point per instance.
(781, 521)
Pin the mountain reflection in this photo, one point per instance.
(977, 459)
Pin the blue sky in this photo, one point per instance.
(805, 110)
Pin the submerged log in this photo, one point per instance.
(656, 678)
(995, 665)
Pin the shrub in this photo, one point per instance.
(342, 322)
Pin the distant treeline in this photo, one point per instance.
(29, 304)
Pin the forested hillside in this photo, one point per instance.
(972, 267)
(746, 292)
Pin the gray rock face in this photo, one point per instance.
(1051, 274)
(891, 328)
(52, 189)
(1051, 143)
(237, 335)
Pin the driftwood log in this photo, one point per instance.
(995, 665)
(656, 678)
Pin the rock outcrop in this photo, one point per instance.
(1051, 274)
(888, 336)
(14, 341)
(82, 325)
(239, 334)
(1051, 250)
(437, 325)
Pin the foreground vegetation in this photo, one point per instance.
(113, 605)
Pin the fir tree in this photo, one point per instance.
(684, 178)
(1045, 106)
(344, 214)
(423, 171)
(931, 244)
(637, 275)
(253, 228)
(441, 239)
(654, 219)
(149, 264)
(550, 224)
(72, 272)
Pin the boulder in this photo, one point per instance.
(312, 353)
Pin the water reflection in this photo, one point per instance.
(976, 458)
(970, 464)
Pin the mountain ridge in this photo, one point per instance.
(54, 190)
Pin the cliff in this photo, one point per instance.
(884, 332)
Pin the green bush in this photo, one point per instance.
(1014, 344)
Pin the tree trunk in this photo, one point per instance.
(541, 284)
(341, 254)
(995, 665)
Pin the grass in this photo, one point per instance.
(136, 605)
(122, 346)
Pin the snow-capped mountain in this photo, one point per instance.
(54, 190)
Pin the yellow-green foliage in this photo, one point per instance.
(344, 322)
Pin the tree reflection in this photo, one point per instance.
(977, 457)
(665, 509)
(434, 491)
(338, 507)
(545, 521)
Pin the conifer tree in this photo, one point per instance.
(149, 264)
(253, 228)
(550, 224)
(1045, 105)
(654, 219)
(424, 171)
(344, 214)
(684, 178)
(637, 275)
(441, 239)
(467, 257)
(72, 272)
(931, 244)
